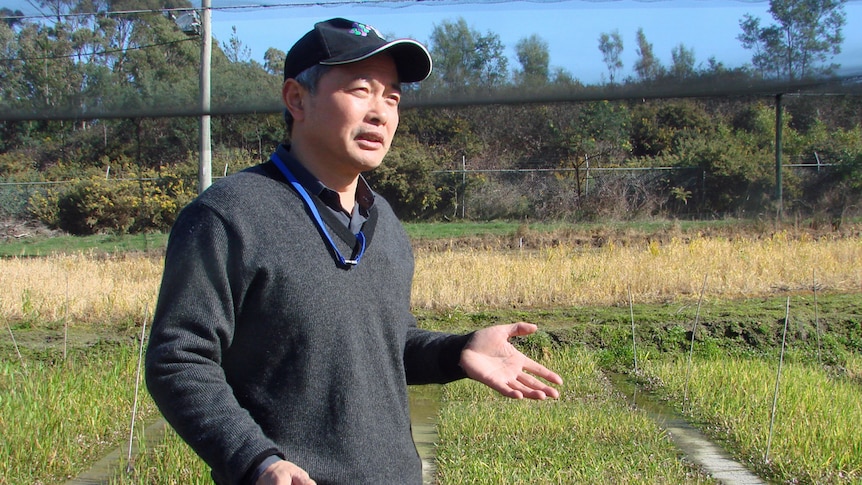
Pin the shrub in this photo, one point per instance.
(94, 204)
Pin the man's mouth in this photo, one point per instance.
(371, 137)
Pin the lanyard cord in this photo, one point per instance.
(360, 237)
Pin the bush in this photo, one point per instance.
(96, 205)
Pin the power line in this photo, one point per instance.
(95, 53)
(94, 14)
(256, 6)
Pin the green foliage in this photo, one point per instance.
(534, 58)
(148, 65)
(611, 46)
(658, 127)
(405, 179)
(94, 204)
(807, 33)
(737, 178)
(465, 58)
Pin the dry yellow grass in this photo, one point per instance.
(564, 276)
(88, 288)
(79, 287)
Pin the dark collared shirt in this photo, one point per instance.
(364, 196)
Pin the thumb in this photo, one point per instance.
(522, 328)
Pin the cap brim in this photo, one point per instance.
(412, 59)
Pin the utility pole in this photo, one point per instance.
(205, 166)
(778, 128)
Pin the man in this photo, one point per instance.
(283, 342)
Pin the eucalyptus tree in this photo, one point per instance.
(807, 34)
(534, 57)
(465, 59)
(647, 67)
(682, 66)
(273, 61)
(611, 46)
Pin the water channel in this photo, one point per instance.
(425, 404)
(699, 449)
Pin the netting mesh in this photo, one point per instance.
(59, 60)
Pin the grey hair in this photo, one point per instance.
(308, 79)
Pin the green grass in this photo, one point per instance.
(816, 435)
(55, 420)
(589, 435)
(445, 230)
(169, 462)
(46, 245)
(106, 243)
(58, 416)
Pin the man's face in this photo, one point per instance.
(351, 120)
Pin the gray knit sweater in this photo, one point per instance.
(262, 345)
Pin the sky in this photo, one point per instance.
(571, 28)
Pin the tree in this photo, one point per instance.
(273, 61)
(464, 58)
(647, 67)
(234, 49)
(10, 18)
(611, 46)
(533, 55)
(683, 62)
(807, 34)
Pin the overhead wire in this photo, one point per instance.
(95, 53)
(255, 6)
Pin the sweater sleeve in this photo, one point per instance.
(193, 326)
(433, 357)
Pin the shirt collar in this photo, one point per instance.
(364, 194)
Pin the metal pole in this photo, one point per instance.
(778, 129)
(205, 168)
(463, 186)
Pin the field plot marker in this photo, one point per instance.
(66, 321)
(129, 467)
(691, 349)
(777, 380)
(15, 344)
(634, 341)
(816, 315)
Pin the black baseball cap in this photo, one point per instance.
(341, 41)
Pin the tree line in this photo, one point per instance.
(562, 160)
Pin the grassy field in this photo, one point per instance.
(589, 435)
(72, 321)
(814, 438)
(91, 286)
(60, 414)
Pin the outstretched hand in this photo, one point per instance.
(491, 359)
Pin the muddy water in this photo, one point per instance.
(424, 405)
(695, 445)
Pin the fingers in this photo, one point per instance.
(284, 473)
(539, 370)
(535, 389)
(522, 328)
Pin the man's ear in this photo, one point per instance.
(292, 95)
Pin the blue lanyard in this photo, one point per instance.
(360, 238)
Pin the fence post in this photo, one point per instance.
(778, 129)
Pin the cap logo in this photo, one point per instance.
(363, 30)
